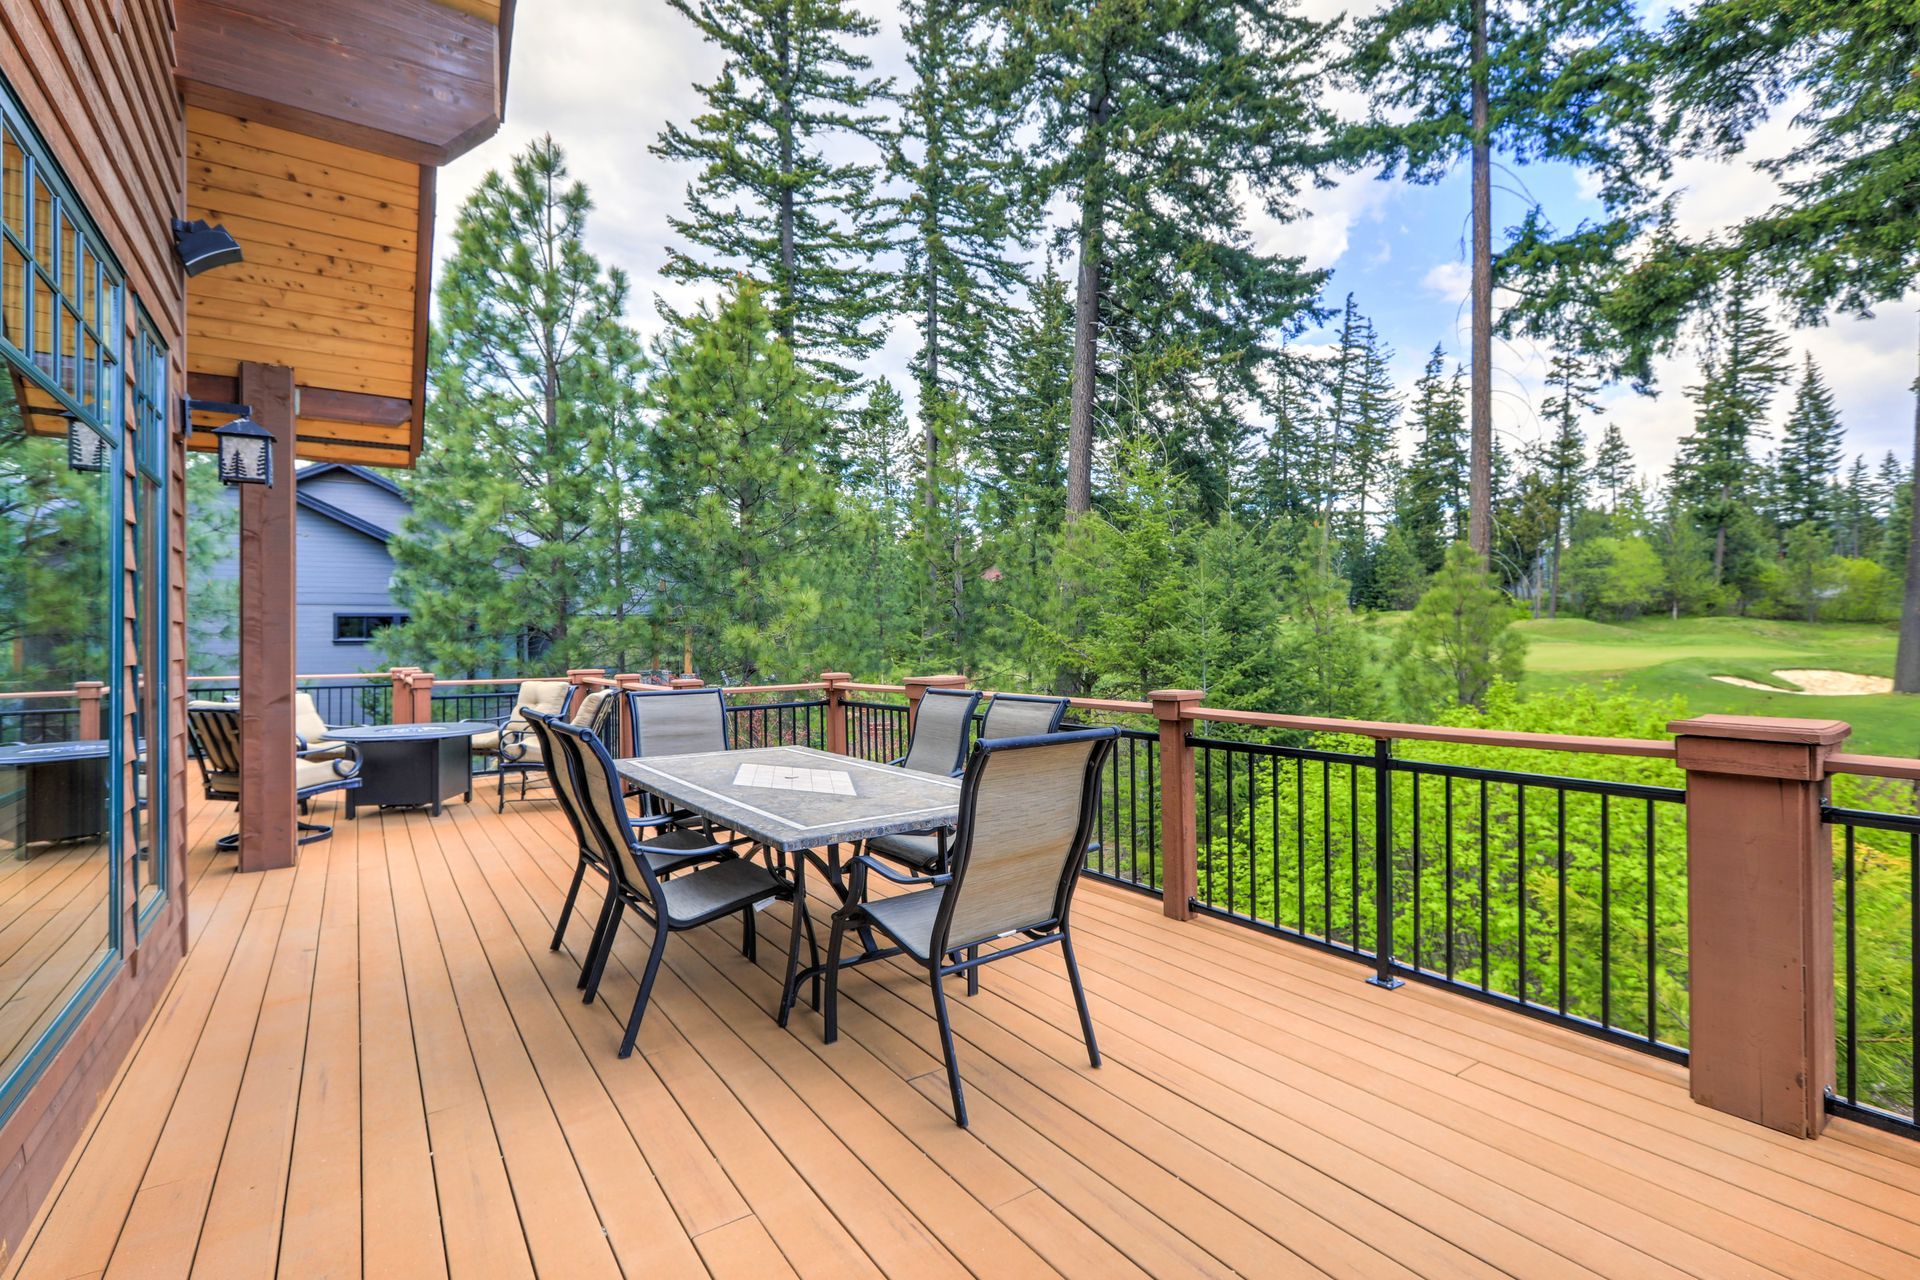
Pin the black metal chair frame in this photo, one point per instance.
(346, 779)
(644, 898)
(665, 859)
(944, 960)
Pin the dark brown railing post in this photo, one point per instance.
(1179, 832)
(1760, 916)
(401, 711)
(628, 685)
(836, 711)
(420, 686)
(917, 687)
(577, 679)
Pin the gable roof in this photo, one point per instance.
(347, 518)
(368, 474)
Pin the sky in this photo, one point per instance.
(605, 76)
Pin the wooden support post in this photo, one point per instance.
(577, 677)
(629, 685)
(402, 712)
(917, 687)
(420, 684)
(92, 727)
(1760, 917)
(836, 712)
(1179, 834)
(267, 562)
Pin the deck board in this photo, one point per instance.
(372, 1064)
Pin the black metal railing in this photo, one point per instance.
(1877, 967)
(877, 730)
(1563, 898)
(777, 724)
(33, 726)
(474, 704)
(355, 702)
(1126, 839)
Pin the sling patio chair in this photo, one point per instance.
(671, 905)
(213, 729)
(508, 745)
(667, 851)
(940, 734)
(677, 722)
(1022, 715)
(1026, 814)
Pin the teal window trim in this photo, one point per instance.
(67, 259)
(153, 442)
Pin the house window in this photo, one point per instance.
(358, 628)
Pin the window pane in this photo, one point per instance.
(89, 373)
(13, 295)
(13, 186)
(86, 290)
(44, 335)
(70, 352)
(56, 615)
(43, 233)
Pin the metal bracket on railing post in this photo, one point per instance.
(1383, 975)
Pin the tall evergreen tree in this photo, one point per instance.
(1807, 464)
(1612, 472)
(1433, 502)
(1743, 366)
(742, 499)
(517, 501)
(1362, 411)
(1845, 231)
(1468, 78)
(774, 196)
(1158, 118)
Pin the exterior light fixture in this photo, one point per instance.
(246, 452)
(86, 448)
(202, 248)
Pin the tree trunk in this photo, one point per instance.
(789, 302)
(1906, 666)
(1480, 466)
(1086, 346)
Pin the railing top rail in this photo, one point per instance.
(856, 687)
(1649, 747)
(378, 677)
(1875, 766)
(26, 694)
(812, 686)
(499, 680)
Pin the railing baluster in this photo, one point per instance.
(1383, 865)
(1606, 913)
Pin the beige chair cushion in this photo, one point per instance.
(308, 724)
(548, 697)
(313, 773)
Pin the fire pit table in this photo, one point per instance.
(412, 764)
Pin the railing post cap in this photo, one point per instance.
(89, 686)
(1177, 697)
(686, 682)
(1784, 730)
(836, 677)
(948, 681)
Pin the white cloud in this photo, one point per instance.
(1449, 280)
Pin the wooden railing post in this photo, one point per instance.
(1760, 916)
(1179, 834)
(577, 678)
(836, 712)
(402, 712)
(629, 683)
(917, 687)
(420, 685)
(91, 727)
(686, 682)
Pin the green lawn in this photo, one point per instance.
(1660, 658)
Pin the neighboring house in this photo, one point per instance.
(346, 516)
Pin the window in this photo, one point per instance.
(358, 628)
(146, 582)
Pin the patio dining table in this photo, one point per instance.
(803, 803)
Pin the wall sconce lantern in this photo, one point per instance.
(202, 248)
(246, 452)
(86, 448)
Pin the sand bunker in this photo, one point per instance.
(1817, 683)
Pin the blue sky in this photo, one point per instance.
(604, 76)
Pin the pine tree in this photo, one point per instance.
(1807, 463)
(1613, 472)
(1433, 500)
(1744, 365)
(773, 196)
(1291, 478)
(1453, 78)
(742, 502)
(1564, 461)
(1159, 118)
(530, 442)
(1459, 639)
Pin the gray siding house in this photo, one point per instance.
(344, 571)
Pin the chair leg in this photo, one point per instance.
(660, 933)
(787, 992)
(749, 936)
(831, 1029)
(1080, 998)
(566, 908)
(813, 959)
(946, 1047)
(601, 946)
(973, 974)
(500, 806)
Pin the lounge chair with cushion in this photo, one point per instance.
(1026, 814)
(509, 746)
(313, 732)
(214, 730)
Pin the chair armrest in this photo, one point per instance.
(347, 766)
(895, 764)
(513, 745)
(864, 862)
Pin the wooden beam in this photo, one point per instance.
(355, 407)
(412, 79)
(267, 542)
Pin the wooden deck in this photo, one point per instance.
(372, 1065)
